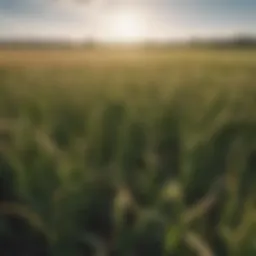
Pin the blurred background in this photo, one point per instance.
(127, 128)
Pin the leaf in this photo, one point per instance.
(18, 210)
(196, 243)
(204, 205)
(172, 238)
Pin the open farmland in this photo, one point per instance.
(128, 152)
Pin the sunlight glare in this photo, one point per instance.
(126, 27)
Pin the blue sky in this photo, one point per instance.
(164, 18)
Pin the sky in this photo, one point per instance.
(104, 19)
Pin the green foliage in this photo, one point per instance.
(152, 154)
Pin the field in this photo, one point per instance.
(128, 152)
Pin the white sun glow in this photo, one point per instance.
(127, 27)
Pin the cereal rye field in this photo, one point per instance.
(128, 152)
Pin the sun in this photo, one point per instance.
(128, 28)
(124, 27)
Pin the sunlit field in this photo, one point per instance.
(128, 152)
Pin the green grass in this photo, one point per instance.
(128, 153)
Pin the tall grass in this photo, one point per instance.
(143, 154)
